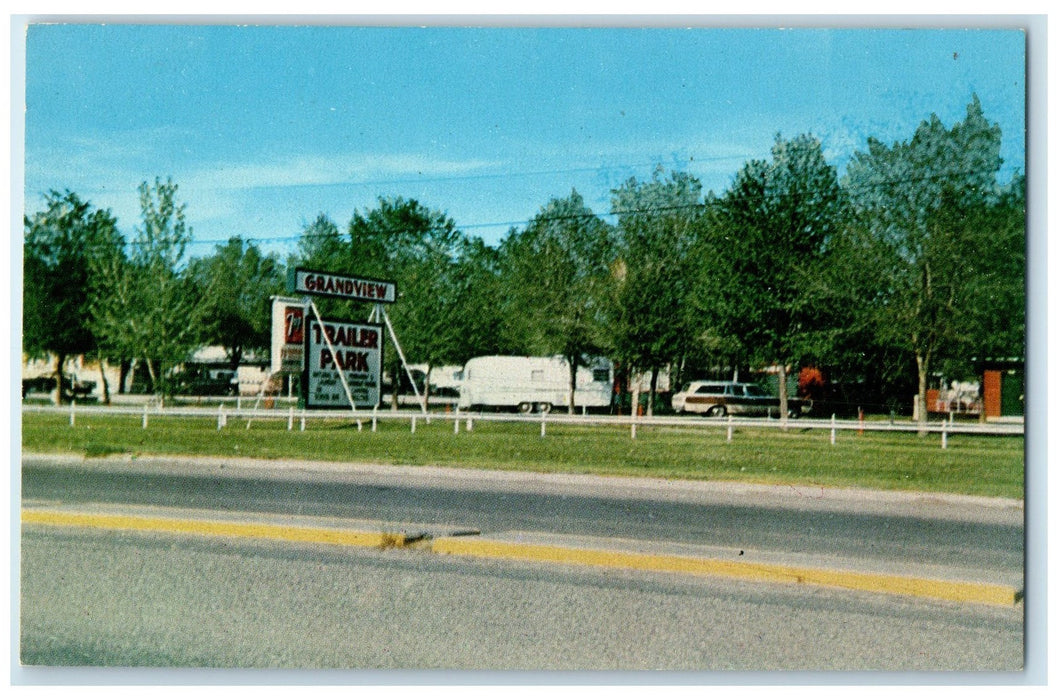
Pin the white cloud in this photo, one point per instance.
(326, 170)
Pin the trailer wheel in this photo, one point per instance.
(544, 407)
(525, 407)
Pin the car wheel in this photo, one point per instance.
(717, 412)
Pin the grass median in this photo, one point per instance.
(971, 464)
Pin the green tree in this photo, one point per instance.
(235, 285)
(999, 282)
(479, 323)
(147, 305)
(929, 205)
(61, 244)
(776, 224)
(417, 247)
(659, 224)
(558, 273)
(320, 245)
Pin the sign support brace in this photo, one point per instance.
(341, 375)
(378, 312)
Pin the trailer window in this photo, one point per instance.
(600, 375)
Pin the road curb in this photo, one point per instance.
(475, 545)
(937, 589)
(216, 528)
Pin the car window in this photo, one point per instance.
(710, 389)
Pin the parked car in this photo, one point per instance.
(723, 398)
(197, 381)
(74, 389)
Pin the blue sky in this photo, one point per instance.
(264, 128)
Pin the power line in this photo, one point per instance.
(625, 212)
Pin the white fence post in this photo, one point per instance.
(145, 416)
(73, 407)
(943, 435)
(543, 424)
(302, 420)
(290, 420)
(413, 424)
(730, 428)
(833, 428)
(374, 419)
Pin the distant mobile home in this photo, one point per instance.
(533, 384)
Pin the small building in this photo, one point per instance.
(1002, 386)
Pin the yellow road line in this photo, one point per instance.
(215, 528)
(957, 591)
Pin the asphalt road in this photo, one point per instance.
(110, 599)
(102, 597)
(983, 534)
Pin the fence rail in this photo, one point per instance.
(299, 418)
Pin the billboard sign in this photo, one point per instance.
(288, 335)
(355, 351)
(330, 284)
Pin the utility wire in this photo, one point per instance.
(636, 211)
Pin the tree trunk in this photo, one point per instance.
(152, 376)
(103, 380)
(572, 384)
(653, 390)
(784, 395)
(235, 357)
(60, 361)
(123, 375)
(922, 362)
(426, 388)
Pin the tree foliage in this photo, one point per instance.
(776, 223)
(62, 243)
(659, 225)
(235, 286)
(146, 305)
(558, 273)
(930, 205)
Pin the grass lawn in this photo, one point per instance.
(972, 464)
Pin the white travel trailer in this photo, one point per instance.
(531, 384)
